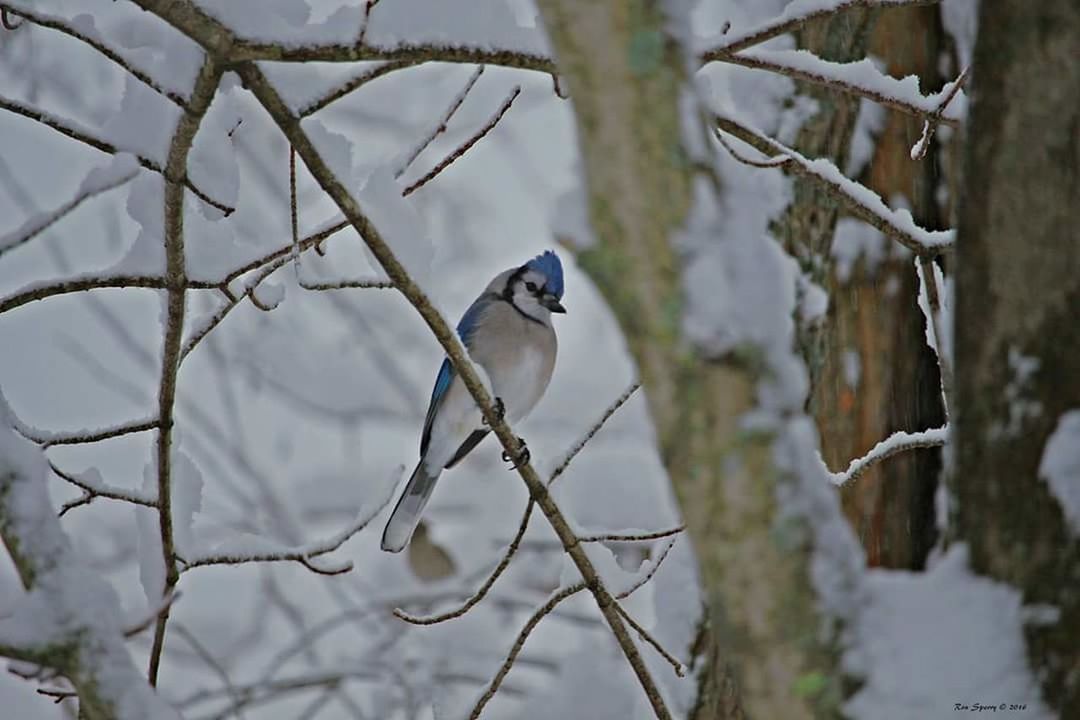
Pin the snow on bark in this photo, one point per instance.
(1060, 467)
(69, 618)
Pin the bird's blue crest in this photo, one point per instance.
(548, 263)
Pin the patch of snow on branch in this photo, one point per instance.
(67, 604)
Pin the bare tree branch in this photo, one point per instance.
(250, 50)
(354, 84)
(39, 223)
(591, 432)
(533, 621)
(464, 147)
(640, 582)
(676, 665)
(443, 121)
(632, 537)
(303, 554)
(151, 618)
(476, 597)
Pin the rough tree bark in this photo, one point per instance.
(625, 74)
(1017, 333)
(872, 313)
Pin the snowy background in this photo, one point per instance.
(293, 421)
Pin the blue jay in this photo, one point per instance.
(508, 333)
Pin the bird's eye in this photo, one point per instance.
(530, 286)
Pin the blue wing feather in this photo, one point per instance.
(465, 329)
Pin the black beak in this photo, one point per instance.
(552, 303)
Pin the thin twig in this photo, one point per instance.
(533, 621)
(652, 571)
(151, 618)
(207, 657)
(464, 147)
(476, 597)
(95, 489)
(779, 161)
(303, 554)
(354, 84)
(310, 241)
(65, 128)
(633, 537)
(593, 429)
(294, 213)
(39, 223)
(55, 23)
(895, 444)
(440, 128)
(347, 284)
(268, 264)
(676, 665)
(918, 150)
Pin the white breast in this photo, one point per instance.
(521, 383)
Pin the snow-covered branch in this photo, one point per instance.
(93, 486)
(71, 130)
(795, 16)
(930, 302)
(895, 444)
(68, 620)
(861, 79)
(860, 200)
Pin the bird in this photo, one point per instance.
(509, 335)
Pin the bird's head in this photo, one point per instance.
(537, 286)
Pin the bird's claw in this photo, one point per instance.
(523, 455)
(500, 410)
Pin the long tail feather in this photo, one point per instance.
(409, 508)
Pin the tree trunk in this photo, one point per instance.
(1017, 327)
(761, 639)
(878, 375)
